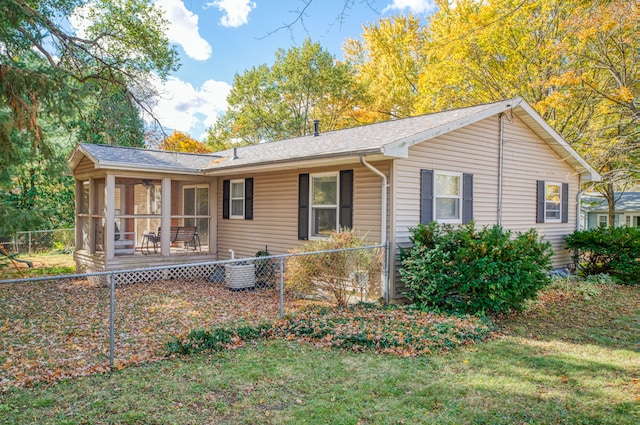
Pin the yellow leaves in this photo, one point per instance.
(623, 94)
(182, 142)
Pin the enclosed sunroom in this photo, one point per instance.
(138, 208)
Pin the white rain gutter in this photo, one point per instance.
(500, 166)
(383, 225)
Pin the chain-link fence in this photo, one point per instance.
(67, 326)
(35, 241)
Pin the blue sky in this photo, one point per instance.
(218, 38)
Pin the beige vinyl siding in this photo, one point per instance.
(475, 149)
(528, 159)
(275, 211)
(86, 169)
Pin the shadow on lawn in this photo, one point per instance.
(610, 320)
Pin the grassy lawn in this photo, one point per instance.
(571, 358)
(43, 265)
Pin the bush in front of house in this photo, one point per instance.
(604, 250)
(469, 270)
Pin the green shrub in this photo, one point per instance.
(218, 339)
(466, 270)
(604, 250)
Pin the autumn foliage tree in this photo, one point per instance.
(575, 62)
(387, 62)
(182, 142)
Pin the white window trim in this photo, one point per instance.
(553, 220)
(606, 219)
(311, 205)
(231, 199)
(459, 197)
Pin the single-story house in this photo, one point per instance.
(492, 163)
(595, 210)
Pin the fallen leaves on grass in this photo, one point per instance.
(393, 330)
(60, 329)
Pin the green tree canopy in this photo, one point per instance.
(281, 101)
(70, 70)
(116, 48)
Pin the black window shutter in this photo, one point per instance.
(565, 202)
(303, 207)
(539, 201)
(426, 196)
(248, 198)
(346, 199)
(226, 186)
(467, 198)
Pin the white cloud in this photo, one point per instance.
(185, 108)
(415, 6)
(183, 29)
(236, 12)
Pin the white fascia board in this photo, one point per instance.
(124, 166)
(588, 173)
(76, 157)
(334, 158)
(400, 148)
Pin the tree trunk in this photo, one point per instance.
(609, 195)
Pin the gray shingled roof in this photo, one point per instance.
(627, 201)
(365, 139)
(390, 139)
(105, 156)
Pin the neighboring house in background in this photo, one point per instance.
(493, 163)
(595, 210)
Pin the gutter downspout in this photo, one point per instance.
(383, 230)
(578, 202)
(500, 166)
(578, 218)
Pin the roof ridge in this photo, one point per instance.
(362, 126)
(147, 149)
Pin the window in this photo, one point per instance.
(603, 220)
(552, 202)
(552, 195)
(448, 197)
(324, 204)
(632, 220)
(237, 199)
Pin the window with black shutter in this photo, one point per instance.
(237, 199)
(446, 197)
(325, 203)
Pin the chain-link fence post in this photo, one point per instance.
(387, 259)
(112, 315)
(281, 287)
(29, 236)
